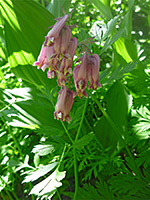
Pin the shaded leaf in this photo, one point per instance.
(117, 105)
(80, 143)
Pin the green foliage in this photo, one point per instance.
(103, 153)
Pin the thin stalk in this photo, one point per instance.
(93, 109)
(82, 117)
(5, 107)
(67, 132)
(8, 194)
(75, 174)
(74, 153)
(15, 141)
(43, 3)
(59, 197)
(62, 155)
(118, 133)
(3, 197)
(9, 189)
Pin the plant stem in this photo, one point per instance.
(59, 197)
(74, 153)
(75, 174)
(43, 3)
(8, 194)
(82, 117)
(118, 133)
(67, 132)
(3, 197)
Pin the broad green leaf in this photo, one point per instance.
(29, 108)
(25, 25)
(126, 49)
(39, 172)
(56, 6)
(127, 21)
(105, 10)
(117, 109)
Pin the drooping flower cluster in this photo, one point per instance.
(57, 55)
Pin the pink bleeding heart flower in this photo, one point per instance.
(42, 58)
(61, 79)
(55, 31)
(52, 58)
(66, 64)
(93, 71)
(64, 104)
(51, 73)
(62, 42)
(80, 77)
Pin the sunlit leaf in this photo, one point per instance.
(29, 108)
(24, 37)
(126, 49)
(49, 185)
(39, 172)
(43, 149)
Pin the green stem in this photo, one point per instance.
(75, 174)
(82, 117)
(3, 197)
(67, 132)
(74, 153)
(59, 197)
(9, 189)
(43, 3)
(62, 155)
(93, 109)
(118, 133)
